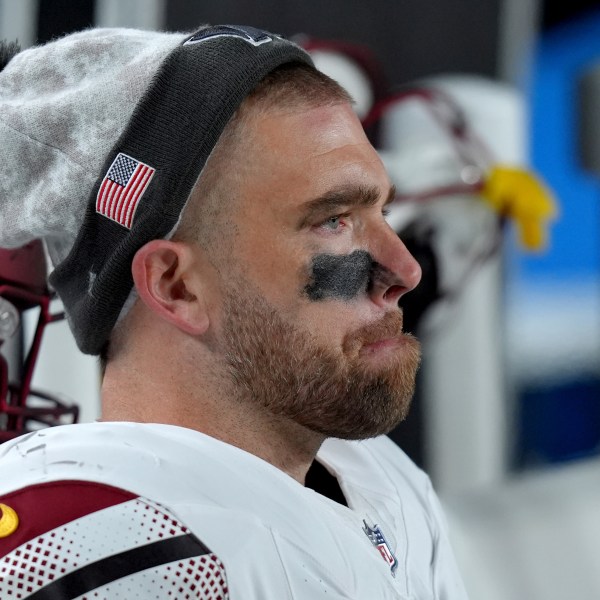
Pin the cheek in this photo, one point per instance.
(265, 257)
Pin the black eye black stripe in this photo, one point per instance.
(344, 276)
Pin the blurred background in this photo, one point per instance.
(506, 419)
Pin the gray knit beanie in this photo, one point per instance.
(103, 135)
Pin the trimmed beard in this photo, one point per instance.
(284, 370)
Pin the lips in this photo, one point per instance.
(384, 333)
(382, 344)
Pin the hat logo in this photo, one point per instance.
(122, 189)
(251, 35)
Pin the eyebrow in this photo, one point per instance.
(346, 197)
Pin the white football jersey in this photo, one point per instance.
(126, 510)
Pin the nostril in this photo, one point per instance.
(393, 293)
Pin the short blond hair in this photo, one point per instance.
(290, 86)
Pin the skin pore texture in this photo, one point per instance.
(285, 328)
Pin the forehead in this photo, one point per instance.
(299, 154)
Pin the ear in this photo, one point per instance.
(165, 279)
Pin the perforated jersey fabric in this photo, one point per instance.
(157, 558)
(123, 510)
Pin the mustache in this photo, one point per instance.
(389, 326)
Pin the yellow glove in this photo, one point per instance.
(519, 194)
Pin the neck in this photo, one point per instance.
(130, 395)
(287, 446)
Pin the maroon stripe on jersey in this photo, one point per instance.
(45, 506)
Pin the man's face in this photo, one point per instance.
(310, 326)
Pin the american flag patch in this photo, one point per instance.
(122, 188)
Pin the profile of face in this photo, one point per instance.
(310, 326)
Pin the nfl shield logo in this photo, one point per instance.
(251, 35)
(378, 540)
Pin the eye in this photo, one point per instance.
(333, 223)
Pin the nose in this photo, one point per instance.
(396, 272)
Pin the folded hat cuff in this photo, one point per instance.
(148, 176)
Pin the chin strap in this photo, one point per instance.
(522, 196)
